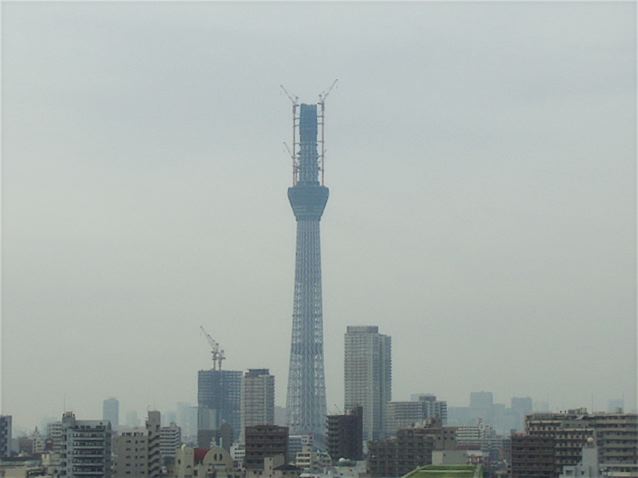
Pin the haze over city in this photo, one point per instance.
(481, 166)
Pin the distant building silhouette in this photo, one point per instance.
(111, 412)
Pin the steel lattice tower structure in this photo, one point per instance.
(306, 400)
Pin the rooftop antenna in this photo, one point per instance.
(294, 99)
(322, 114)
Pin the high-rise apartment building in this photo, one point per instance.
(5, 435)
(368, 376)
(345, 435)
(257, 399)
(111, 412)
(137, 451)
(306, 399)
(86, 448)
(170, 441)
(219, 401)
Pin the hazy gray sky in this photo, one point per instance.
(481, 161)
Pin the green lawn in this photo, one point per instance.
(446, 471)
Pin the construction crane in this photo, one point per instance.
(324, 94)
(216, 352)
(322, 122)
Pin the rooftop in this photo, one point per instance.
(446, 471)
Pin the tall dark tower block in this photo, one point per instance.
(306, 401)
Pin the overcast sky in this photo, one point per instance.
(481, 165)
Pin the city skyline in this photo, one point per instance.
(143, 197)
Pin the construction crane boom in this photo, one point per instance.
(217, 354)
(323, 95)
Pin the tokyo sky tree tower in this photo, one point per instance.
(306, 401)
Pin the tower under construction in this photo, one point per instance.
(306, 400)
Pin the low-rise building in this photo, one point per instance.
(296, 443)
(311, 459)
(264, 441)
(411, 448)
(274, 467)
(203, 462)
(345, 435)
(615, 436)
(532, 456)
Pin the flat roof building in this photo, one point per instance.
(368, 376)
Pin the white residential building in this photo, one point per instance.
(86, 448)
(368, 376)
(170, 440)
(137, 450)
(257, 399)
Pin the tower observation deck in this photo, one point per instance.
(306, 400)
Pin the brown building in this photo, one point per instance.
(412, 447)
(345, 435)
(532, 456)
(264, 441)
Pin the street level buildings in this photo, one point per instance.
(203, 463)
(368, 376)
(264, 441)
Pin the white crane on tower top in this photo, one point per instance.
(216, 352)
